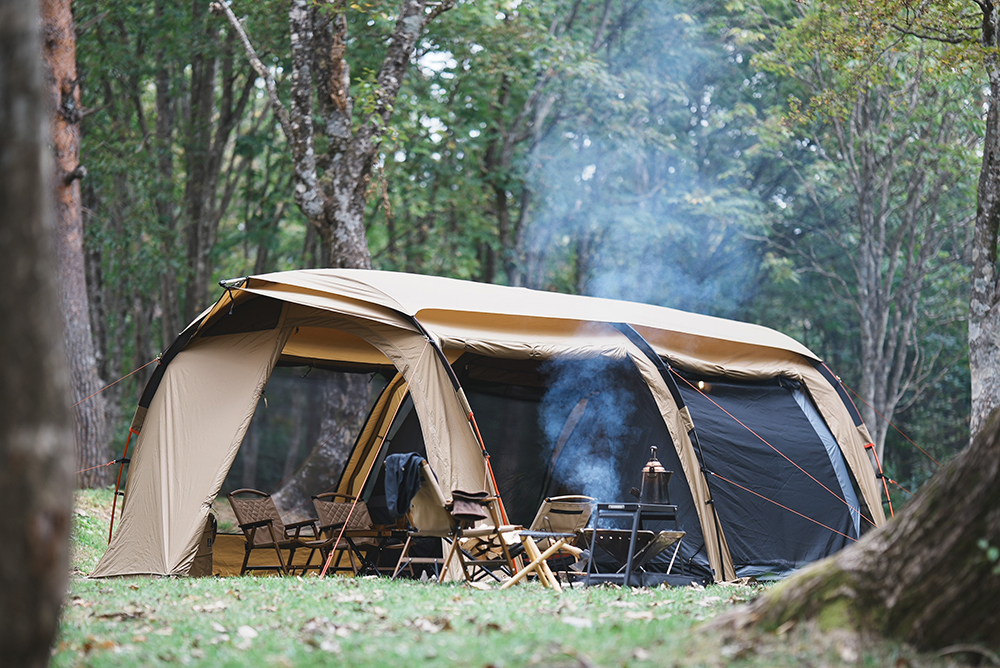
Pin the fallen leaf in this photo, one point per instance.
(218, 628)
(129, 612)
(646, 616)
(577, 622)
(247, 632)
(210, 607)
(639, 654)
(330, 646)
(165, 631)
(431, 626)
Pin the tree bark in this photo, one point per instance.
(926, 577)
(984, 316)
(36, 433)
(334, 201)
(59, 49)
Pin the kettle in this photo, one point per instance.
(655, 480)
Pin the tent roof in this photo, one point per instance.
(470, 305)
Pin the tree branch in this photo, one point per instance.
(255, 62)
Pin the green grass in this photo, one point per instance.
(271, 621)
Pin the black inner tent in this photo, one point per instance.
(757, 491)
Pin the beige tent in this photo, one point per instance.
(197, 406)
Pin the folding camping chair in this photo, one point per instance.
(431, 516)
(340, 516)
(264, 529)
(560, 516)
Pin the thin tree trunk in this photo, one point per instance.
(64, 92)
(984, 316)
(36, 434)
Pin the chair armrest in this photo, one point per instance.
(298, 526)
(257, 524)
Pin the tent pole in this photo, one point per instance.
(114, 499)
(871, 446)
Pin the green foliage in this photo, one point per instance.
(683, 154)
(992, 553)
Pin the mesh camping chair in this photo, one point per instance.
(359, 536)
(263, 529)
(431, 516)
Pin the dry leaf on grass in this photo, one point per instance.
(645, 616)
(128, 612)
(247, 632)
(431, 625)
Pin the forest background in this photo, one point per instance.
(713, 157)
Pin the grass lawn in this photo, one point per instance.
(272, 621)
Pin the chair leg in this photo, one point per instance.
(277, 550)
(246, 559)
(401, 564)
(447, 561)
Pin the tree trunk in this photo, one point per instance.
(59, 48)
(984, 316)
(929, 577)
(35, 429)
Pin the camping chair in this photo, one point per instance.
(557, 515)
(359, 537)
(432, 517)
(264, 530)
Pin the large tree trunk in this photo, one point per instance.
(35, 431)
(926, 577)
(60, 59)
(984, 316)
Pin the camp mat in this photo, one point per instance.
(228, 552)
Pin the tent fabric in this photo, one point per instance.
(765, 538)
(833, 451)
(193, 428)
(374, 320)
(739, 365)
(435, 299)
